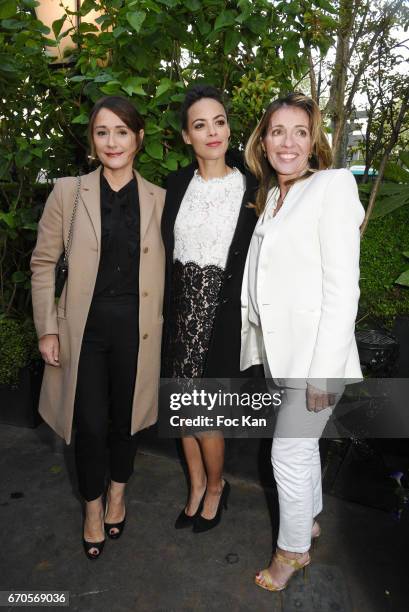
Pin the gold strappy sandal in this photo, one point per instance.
(268, 582)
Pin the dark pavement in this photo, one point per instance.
(360, 564)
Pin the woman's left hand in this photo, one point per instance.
(317, 399)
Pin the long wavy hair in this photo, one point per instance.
(320, 158)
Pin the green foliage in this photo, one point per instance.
(18, 343)
(249, 100)
(403, 279)
(392, 196)
(149, 50)
(394, 191)
(382, 260)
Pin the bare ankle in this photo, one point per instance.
(198, 487)
(292, 555)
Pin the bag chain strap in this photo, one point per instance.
(67, 250)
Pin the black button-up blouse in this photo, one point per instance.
(118, 272)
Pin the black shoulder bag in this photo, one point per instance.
(61, 267)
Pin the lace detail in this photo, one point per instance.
(207, 219)
(195, 298)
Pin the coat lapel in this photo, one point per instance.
(90, 195)
(291, 201)
(146, 203)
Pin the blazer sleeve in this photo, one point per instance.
(46, 253)
(341, 216)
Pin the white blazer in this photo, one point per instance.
(308, 283)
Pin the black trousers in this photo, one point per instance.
(104, 394)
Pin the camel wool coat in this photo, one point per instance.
(69, 316)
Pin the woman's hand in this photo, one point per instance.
(317, 399)
(49, 348)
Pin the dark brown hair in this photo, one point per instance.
(321, 155)
(196, 93)
(124, 109)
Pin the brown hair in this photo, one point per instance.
(321, 155)
(124, 109)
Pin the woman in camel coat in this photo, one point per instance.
(101, 342)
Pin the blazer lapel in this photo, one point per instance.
(176, 189)
(146, 203)
(90, 195)
(292, 199)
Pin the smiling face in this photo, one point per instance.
(207, 129)
(115, 143)
(288, 142)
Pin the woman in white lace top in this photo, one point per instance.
(206, 229)
(203, 233)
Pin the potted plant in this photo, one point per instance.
(20, 373)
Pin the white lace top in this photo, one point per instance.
(207, 219)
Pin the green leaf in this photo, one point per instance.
(101, 78)
(82, 119)
(57, 25)
(185, 162)
(111, 88)
(37, 152)
(326, 5)
(290, 49)
(388, 204)
(8, 8)
(18, 277)
(170, 162)
(170, 3)
(23, 158)
(8, 218)
(133, 85)
(231, 41)
(403, 279)
(256, 24)
(118, 31)
(50, 42)
(193, 5)
(204, 26)
(31, 226)
(87, 27)
(395, 172)
(38, 26)
(78, 78)
(225, 19)
(12, 24)
(154, 149)
(163, 86)
(152, 128)
(404, 157)
(136, 19)
(406, 254)
(87, 6)
(178, 97)
(8, 63)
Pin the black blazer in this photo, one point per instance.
(223, 356)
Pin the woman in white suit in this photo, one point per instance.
(299, 302)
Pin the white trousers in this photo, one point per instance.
(297, 467)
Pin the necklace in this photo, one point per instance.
(272, 212)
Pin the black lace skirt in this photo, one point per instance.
(195, 295)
